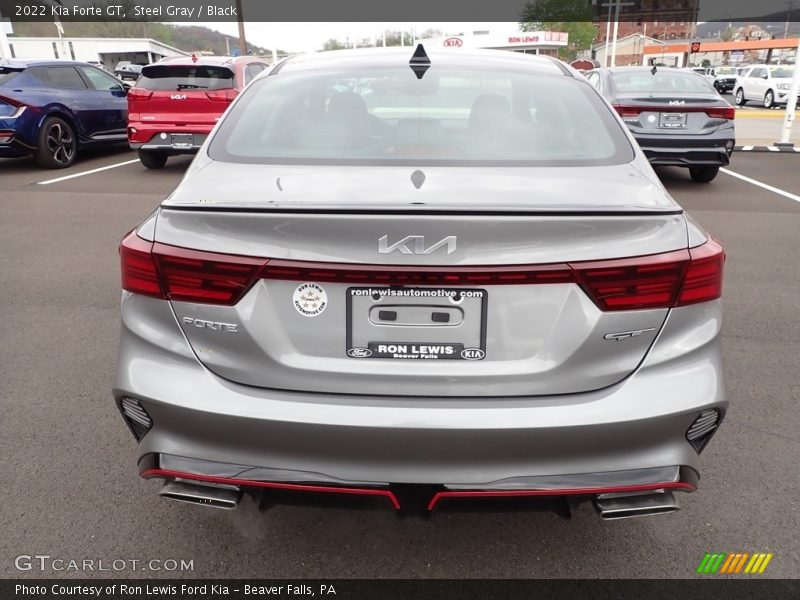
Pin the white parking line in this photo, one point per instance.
(761, 184)
(82, 173)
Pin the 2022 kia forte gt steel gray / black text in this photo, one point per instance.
(426, 280)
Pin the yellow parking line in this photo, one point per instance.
(760, 114)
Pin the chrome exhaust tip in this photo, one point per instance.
(641, 504)
(214, 495)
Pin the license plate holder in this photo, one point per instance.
(672, 120)
(419, 323)
(182, 140)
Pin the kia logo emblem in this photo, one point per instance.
(472, 354)
(453, 42)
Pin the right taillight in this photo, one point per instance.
(656, 281)
(703, 279)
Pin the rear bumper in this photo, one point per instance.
(12, 144)
(158, 138)
(423, 498)
(669, 149)
(477, 444)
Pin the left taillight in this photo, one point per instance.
(206, 277)
(139, 273)
(173, 273)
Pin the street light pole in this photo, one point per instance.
(791, 103)
(608, 35)
(616, 34)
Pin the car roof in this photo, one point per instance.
(22, 63)
(633, 69)
(376, 57)
(208, 60)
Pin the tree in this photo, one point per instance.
(571, 16)
(538, 12)
(333, 44)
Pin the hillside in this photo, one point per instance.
(191, 38)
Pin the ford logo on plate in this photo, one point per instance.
(359, 352)
(472, 354)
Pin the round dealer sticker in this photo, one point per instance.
(310, 299)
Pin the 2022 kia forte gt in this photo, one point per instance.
(422, 280)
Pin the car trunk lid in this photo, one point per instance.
(418, 295)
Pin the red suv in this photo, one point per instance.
(176, 102)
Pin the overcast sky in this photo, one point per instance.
(308, 37)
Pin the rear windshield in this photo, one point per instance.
(7, 74)
(452, 115)
(176, 77)
(660, 82)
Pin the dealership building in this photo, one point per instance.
(108, 51)
(531, 42)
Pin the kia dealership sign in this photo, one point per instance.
(513, 40)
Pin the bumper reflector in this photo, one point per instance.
(703, 428)
(136, 416)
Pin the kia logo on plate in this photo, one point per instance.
(472, 354)
(453, 42)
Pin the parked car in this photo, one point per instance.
(53, 109)
(467, 284)
(677, 117)
(127, 70)
(724, 78)
(768, 84)
(178, 101)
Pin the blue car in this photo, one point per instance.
(52, 109)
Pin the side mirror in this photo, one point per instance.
(765, 76)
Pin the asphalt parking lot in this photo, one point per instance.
(69, 487)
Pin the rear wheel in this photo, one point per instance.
(769, 99)
(740, 101)
(153, 160)
(703, 174)
(58, 145)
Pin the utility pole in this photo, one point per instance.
(791, 104)
(788, 18)
(240, 20)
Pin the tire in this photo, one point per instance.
(703, 174)
(58, 145)
(153, 160)
(769, 99)
(739, 97)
